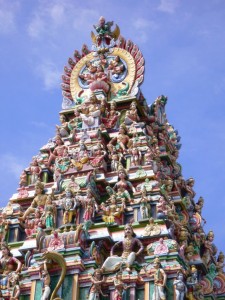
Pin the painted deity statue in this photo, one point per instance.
(180, 287)
(8, 264)
(32, 225)
(121, 141)
(56, 242)
(91, 112)
(63, 129)
(116, 159)
(193, 286)
(97, 281)
(35, 171)
(132, 114)
(124, 184)
(69, 204)
(136, 156)
(129, 243)
(45, 278)
(103, 29)
(116, 67)
(113, 212)
(209, 248)
(120, 287)
(49, 214)
(220, 263)
(90, 206)
(145, 207)
(4, 227)
(58, 151)
(38, 201)
(111, 118)
(152, 228)
(13, 286)
(160, 278)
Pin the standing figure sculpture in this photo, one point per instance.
(13, 286)
(160, 278)
(96, 288)
(180, 287)
(90, 206)
(4, 227)
(129, 244)
(119, 287)
(45, 278)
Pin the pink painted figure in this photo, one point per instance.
(63, 129)
(112, 116)
(58, 150)
(23, 193)
(35, 171)
(23, 179)
(56, 242)
(90, 206)
(132, 114)
(8, 264)
(135, 157)
(32, 225)
(116, 66)
(161, 248)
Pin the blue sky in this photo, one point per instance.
(183, 43)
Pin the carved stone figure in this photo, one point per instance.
(90, 206)
(180, 286)
(63, 129)
(160, 278)
(130, 242)
(38, 201)
(152, 228)
(120, 287)
(113, 212)
(13, 286)
(145, 207)
(4, 227)
(45, 278)
(8, 264)
(121, 141)
(96, 288)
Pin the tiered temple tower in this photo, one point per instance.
(103, 211)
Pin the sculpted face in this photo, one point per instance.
(38, 190)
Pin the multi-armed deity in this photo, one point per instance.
(102, 211)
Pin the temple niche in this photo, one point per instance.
(103, 211)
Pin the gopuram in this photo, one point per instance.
(102, 211)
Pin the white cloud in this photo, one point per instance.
(7, 16)
(168, 6)
(39, 124)
(141, 23)
(49, 18)
(11, 164)
(36, 27)
(50, 74)
(143, 26)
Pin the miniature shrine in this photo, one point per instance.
(103, 211)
